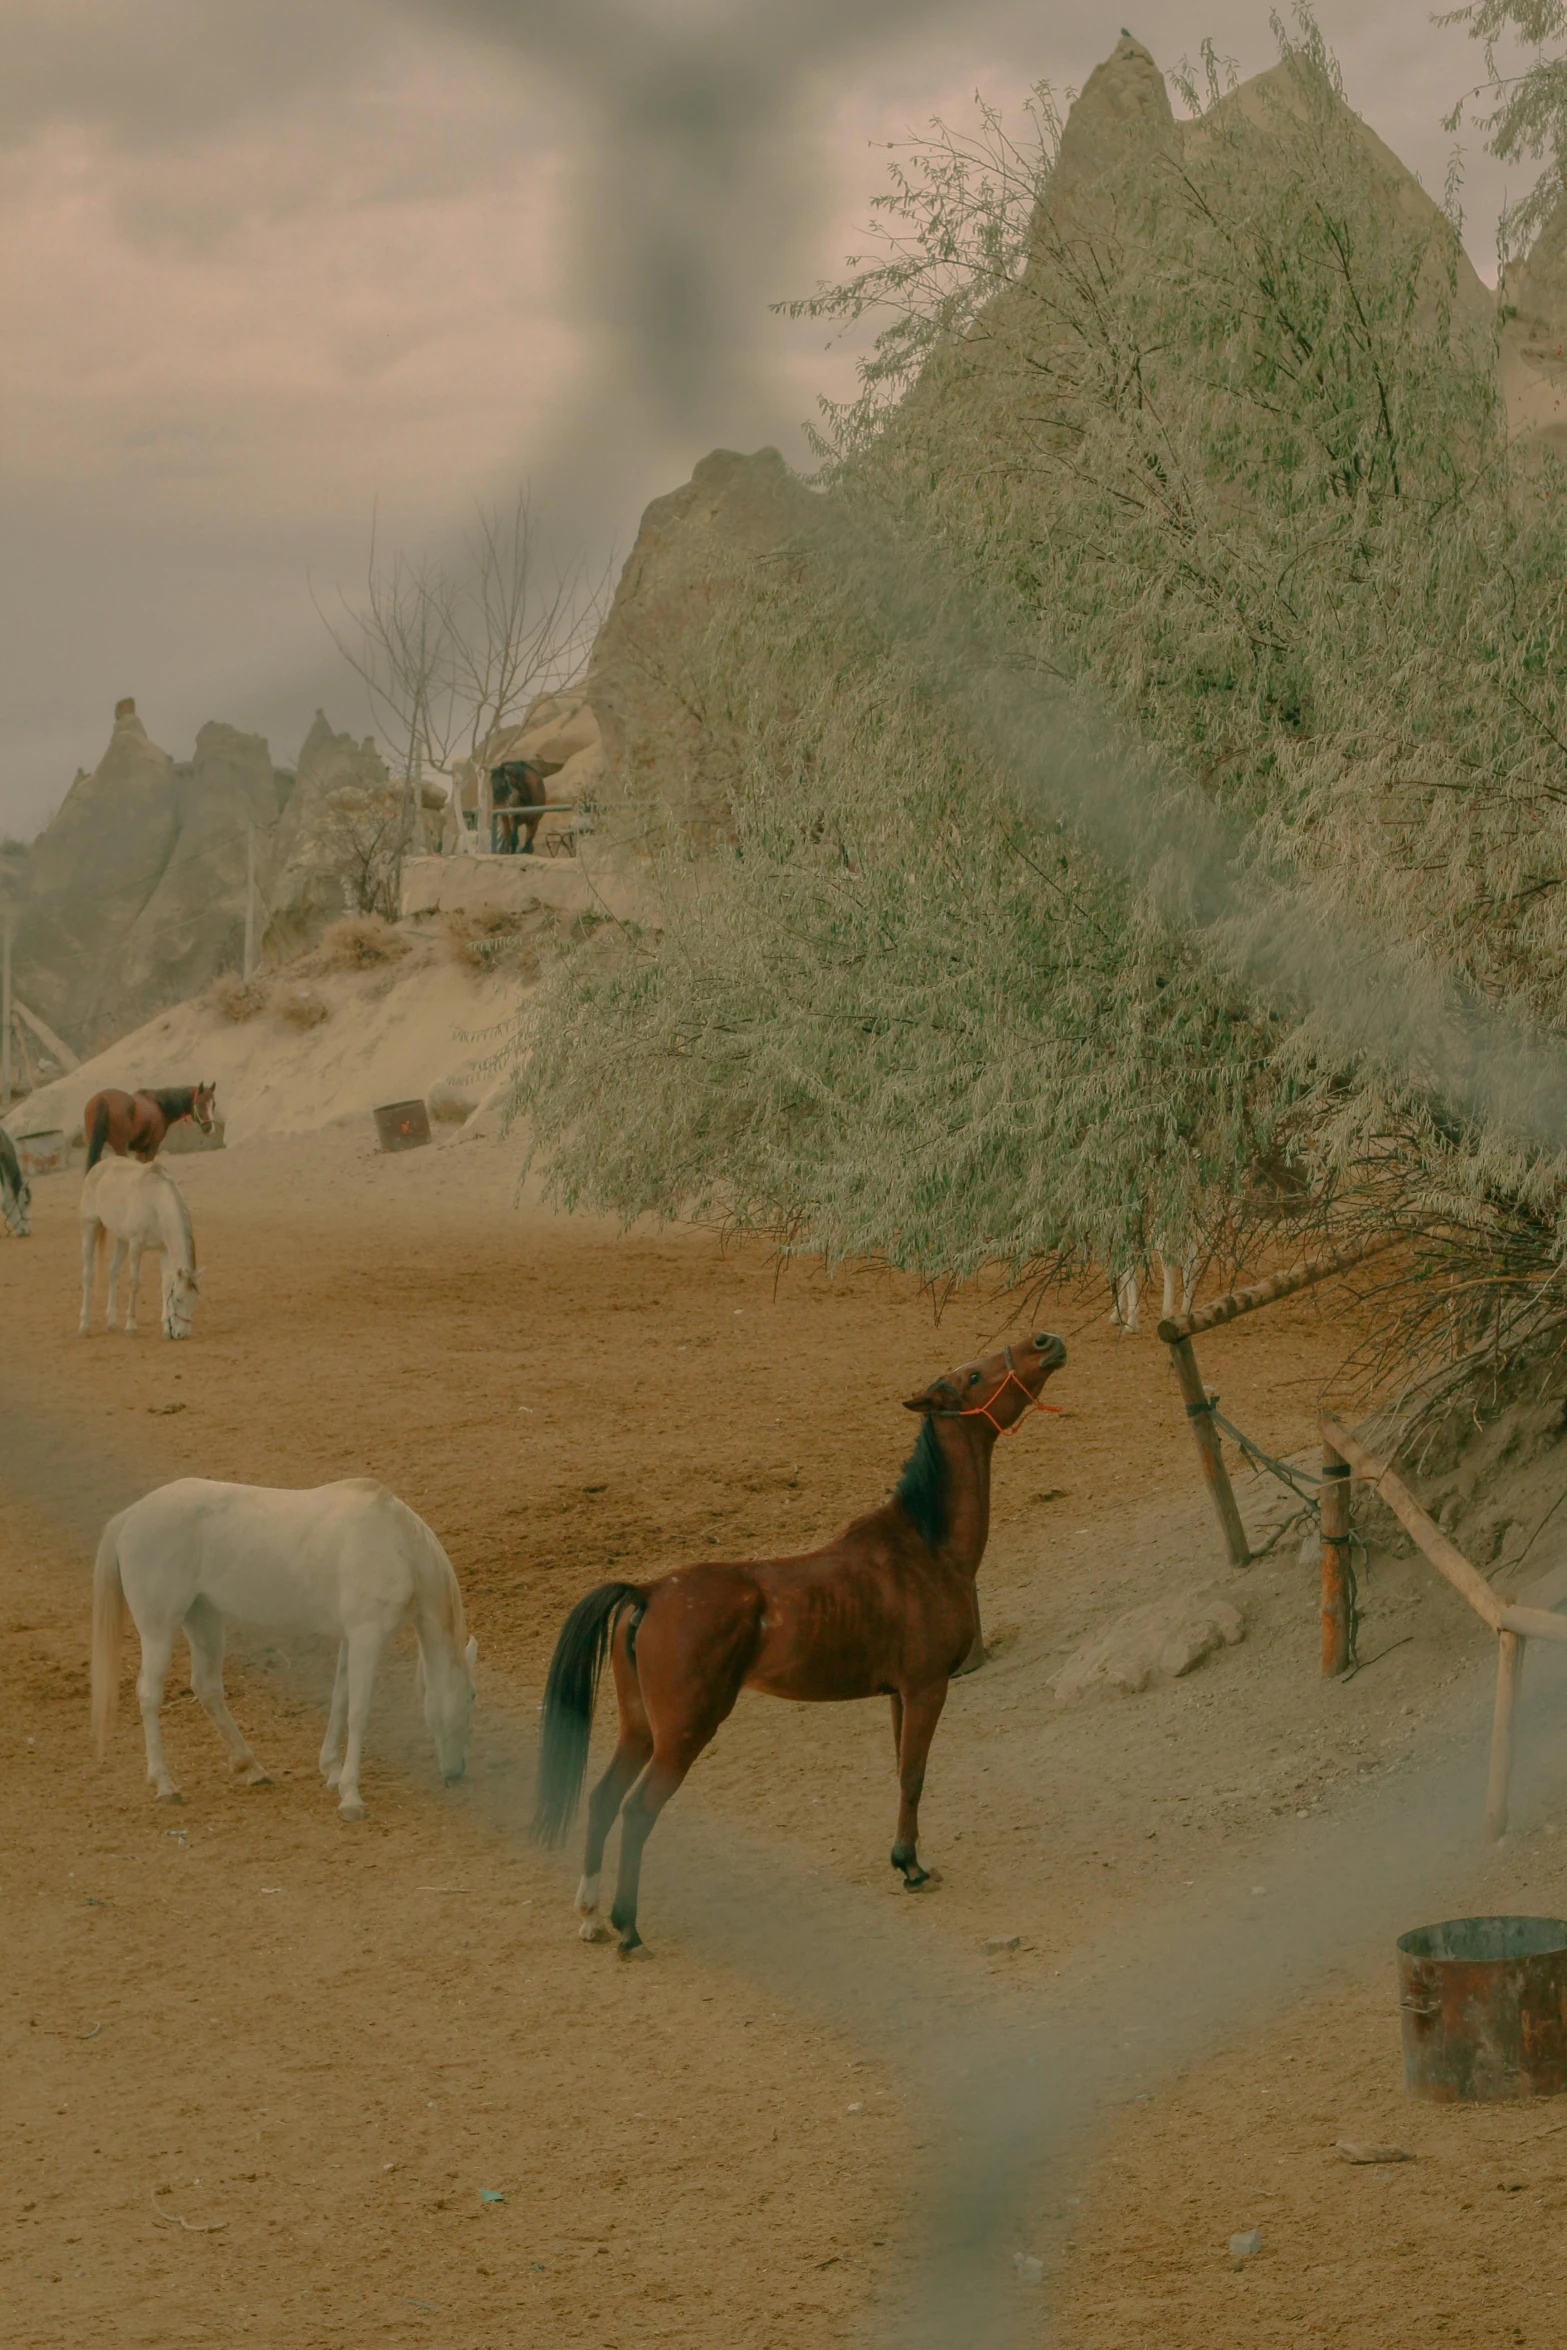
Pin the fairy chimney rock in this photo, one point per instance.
(1124, 107)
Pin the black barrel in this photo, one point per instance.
(402, 1126)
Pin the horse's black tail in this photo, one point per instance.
(99, 1135)
(569, 1694)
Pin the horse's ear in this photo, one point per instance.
(471, 1652)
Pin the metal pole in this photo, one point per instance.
(1199, 1411)
(5, 1017)
(1334, 1507)
(250, 898)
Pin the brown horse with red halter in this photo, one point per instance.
(134, 1124)
(886, 1609)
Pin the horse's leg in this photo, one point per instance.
(157, 1648)
(132, 1277)
(674, 1752)
(204, 1631)
(632, 1753)
(90, 1232)
(116, 1260)
(364, 1650)
(337, 1714)
(897, 1729)
(921, 1713)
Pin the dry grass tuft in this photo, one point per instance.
(358, 943)
(236, 998)
(301, 1007)
(496, 941)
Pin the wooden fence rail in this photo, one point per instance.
(1512, 1622)
(1179, 1331)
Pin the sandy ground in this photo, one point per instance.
(261, 2067)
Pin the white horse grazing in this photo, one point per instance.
(1128, 1290)
(138, 1208)
(349, 1560)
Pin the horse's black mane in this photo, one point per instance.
(173, 1100)
(922, 1488)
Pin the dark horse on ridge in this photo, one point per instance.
(886, 1609)
(134, 1124)
(518, 786)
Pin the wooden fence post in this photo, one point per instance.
(1509, 1664)
(1216, 1476)
(1337, 1610)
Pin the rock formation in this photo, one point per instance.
(133, 897)
(300, 890)
(736, 508)
(732, 510)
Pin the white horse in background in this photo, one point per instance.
(138, 1208)
(348, 1560)
(1125, 1315)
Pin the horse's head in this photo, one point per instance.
(996, 1390)
(179, 1301)
(202, 1102)
(448, 1703)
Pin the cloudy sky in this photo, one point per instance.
(269, 267)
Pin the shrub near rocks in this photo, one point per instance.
(236, 998)
(359, 943)
(301, 1007)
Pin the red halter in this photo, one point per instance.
(986, 1410)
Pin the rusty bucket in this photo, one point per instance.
(1484, 2009)
(402, 1126)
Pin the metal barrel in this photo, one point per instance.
(402, 1126)
(1483, 2004)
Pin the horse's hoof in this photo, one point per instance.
(258, 1777)
(591, 1930)
(170, 1795)
(637, 1949)
(351, 1811)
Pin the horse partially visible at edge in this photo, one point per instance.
(133, 1125)
(887, 1608)
(348, 1560)
(16, 1196)
(139, 1208)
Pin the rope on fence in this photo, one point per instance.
(1297, 1481)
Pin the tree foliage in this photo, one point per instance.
(1204, 456)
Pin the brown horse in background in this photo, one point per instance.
(887, 1608)
(517, 785)
(134, 1124)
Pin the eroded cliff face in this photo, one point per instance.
(731, 512)
(135, 892)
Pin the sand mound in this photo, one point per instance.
(420, 1025)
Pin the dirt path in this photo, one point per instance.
(333, 2041)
